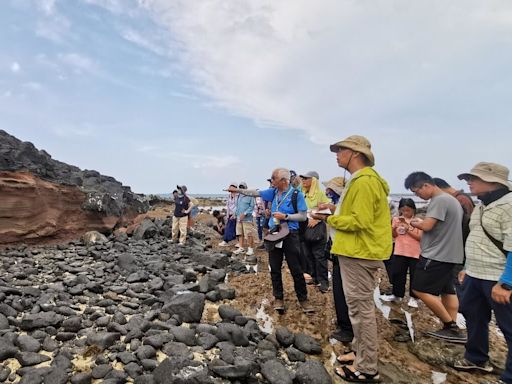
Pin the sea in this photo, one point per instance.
(394, 198)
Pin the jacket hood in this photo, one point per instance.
(370, 172)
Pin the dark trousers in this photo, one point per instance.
(290, 249)
(399, 268)
(476, 306)
(340, 303)
(259, 224)
(316, 261)
(230, 230)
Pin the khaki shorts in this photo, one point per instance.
(246, 229)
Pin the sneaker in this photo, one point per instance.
(223, 244)
(466, 365)
(250, 251)
(413, 303)
(239, 251)
(451, 334)
(306, 307)
(342, 336)
(391, 298)
(324, 287)
(262, 246)
(238, 245)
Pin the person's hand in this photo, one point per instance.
(267, 213)
(461, 276)
(319, 216)
(416, 222)
(242, 216)
(328, 206)
(279, 215)
(312, 223)
(500, 294)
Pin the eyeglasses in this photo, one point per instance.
(416, 188)
(275, 178)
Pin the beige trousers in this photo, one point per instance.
(359, 277)
(179, 224)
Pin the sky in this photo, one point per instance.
(207, 92)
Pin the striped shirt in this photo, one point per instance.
(483, 259)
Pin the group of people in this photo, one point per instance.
(458, 256)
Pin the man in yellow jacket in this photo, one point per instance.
(362, 240)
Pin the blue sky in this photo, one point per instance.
(202, 93)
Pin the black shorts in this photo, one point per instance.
(434, 277)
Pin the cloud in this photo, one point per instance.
(197, 161)
(144, 42)
(33, 85)
(81, 130)
(15, 67)
(339, 66)
(78, 63)
(47, 6)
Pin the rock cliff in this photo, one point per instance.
(42, 199)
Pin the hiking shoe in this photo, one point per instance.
(324, 288)
(342, 336)
(306, 307)
(451, 334)
(386, 291)
(466, 365)
(279, 305)
(250, 251)
(239, 251)
(413, 303)
(223, 244)
(262, 246)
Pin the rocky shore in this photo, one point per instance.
(128, 310)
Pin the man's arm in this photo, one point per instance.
(426, 225)
(246, 192)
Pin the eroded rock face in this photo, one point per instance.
(44, 199)
(33, 210)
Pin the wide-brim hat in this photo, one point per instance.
(358, 144)
(281, 234)
(336, 184)
(489, 172)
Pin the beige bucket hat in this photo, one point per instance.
(490, 172)
(357, 144)
(336, 184)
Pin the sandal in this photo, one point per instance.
(355, 376)
(347, 358)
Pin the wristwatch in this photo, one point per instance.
(286, 217)
(506, 286)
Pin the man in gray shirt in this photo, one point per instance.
(442, 251)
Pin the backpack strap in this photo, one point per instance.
(498, 244)
(294, 200)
